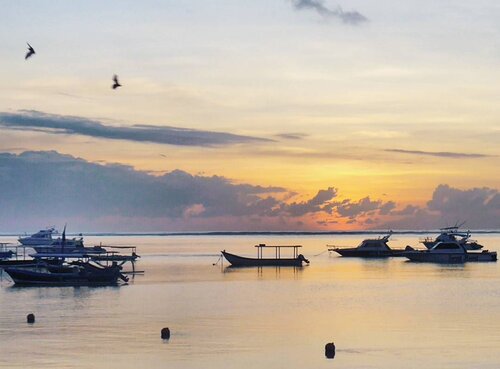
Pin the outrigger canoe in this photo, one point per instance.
(241, 261)
(77, 274)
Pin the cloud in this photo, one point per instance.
(320, 202)
(478, 207)
(83, 192)
(442, 154)
(60, 124)
(46, 187)
(292, 136)
(32, 180)
(408, 210)
(194, 210)
(361, 207)
(349, 17)
(387, 208)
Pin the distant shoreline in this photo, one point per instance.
(257, 233)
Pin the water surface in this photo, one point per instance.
(380, 313)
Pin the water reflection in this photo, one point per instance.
(267, 272)
(380, 313)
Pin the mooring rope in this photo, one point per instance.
(218, 260)
(321, 253)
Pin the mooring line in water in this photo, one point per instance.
(217, 262)
(321, 253)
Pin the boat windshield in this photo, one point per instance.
(446, 246)
(379, 244)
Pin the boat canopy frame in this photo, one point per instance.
(277, 250)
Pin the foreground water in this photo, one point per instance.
(380, 313)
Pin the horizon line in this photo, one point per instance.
(245, 233)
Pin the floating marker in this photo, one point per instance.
(165, 333)
(330, 350)
(30, 318)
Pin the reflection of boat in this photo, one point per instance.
(369, 248)
(240, 261)
(76, 274)
(452, 234)
(453, 252)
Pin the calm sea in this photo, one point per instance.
(380, 313)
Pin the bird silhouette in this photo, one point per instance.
(30, 52)
(116, 84)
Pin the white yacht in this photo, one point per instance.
(454, 252)
(42, 237)
(43, 243)
(370, 248)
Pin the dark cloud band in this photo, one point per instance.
(51, 123)
(442, 154)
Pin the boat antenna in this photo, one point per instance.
(63, 241)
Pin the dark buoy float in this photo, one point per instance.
(30, 318)
(165, 334)
(330, 350)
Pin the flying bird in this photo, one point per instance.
(116, 84)
(30, 52)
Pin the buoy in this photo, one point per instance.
(30, 318)
(330, 350)
(165, 333)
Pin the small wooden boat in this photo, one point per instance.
(77, 274)
(241, 261)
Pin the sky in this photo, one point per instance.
(250, 115)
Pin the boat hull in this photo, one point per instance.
(450, 258)
(240, 261)
(25, 277)
(27, 262)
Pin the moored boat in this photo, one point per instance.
(370, 248)
(241, 261)
(43, 243)
(76, 274)
(42, 237)
(451, 252)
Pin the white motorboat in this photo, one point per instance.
(369, 248)
(452, 252)
(42, 237)
(43, 243)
